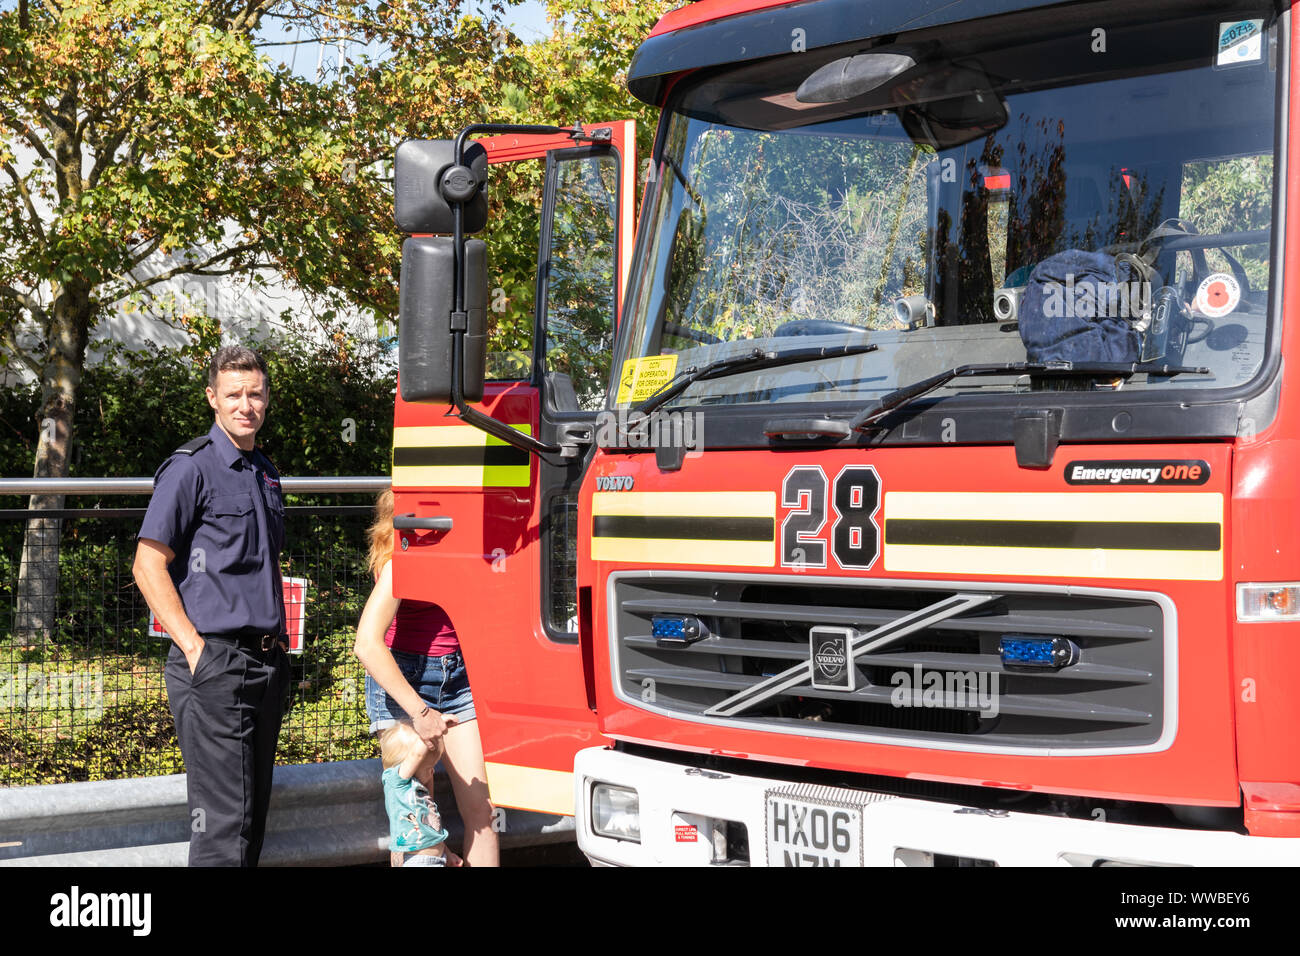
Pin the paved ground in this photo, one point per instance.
(556, 854)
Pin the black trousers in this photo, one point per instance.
(228, 717)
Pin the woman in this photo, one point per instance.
(415, 674)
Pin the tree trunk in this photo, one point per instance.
(38, 575)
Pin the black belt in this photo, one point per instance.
(264, 642)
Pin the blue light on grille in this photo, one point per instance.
(676, 629)
(1026, 652)
(1038, 651)
(668, 627)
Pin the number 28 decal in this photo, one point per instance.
(854, 501)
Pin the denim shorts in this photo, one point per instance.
(440, 681)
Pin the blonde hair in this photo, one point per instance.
(380, 535)
(397, 742)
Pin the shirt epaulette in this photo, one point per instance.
(193, 445)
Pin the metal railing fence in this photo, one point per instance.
(81, 677)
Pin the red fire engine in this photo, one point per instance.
(919, 487)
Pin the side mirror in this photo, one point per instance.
(427, 299)
(426, 177)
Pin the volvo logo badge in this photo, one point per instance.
(831, 666)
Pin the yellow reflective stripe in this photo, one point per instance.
(758, 554)
(666, 505)
(457, 476)
(531, 788)
(704, 504)
(461, 476)
(1163, 564)
(428, 436)
(1056, 562)
(1055, 506)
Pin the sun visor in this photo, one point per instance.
(791, 28)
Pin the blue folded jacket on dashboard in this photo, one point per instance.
(1079, 307)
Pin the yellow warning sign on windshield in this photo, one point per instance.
(643, 377)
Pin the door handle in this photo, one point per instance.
(573, 435)
(412, 523)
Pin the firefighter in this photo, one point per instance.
(208, 563)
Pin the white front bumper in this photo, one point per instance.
(897, 831)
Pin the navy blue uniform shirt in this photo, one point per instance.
(221, 512)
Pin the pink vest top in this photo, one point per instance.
(422, 628)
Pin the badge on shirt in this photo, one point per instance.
(272, 483)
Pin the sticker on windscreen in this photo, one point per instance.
(1240, 42)
(1218, 295)
(642, 377)
(1158, 472)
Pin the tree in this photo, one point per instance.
(577, 74)
(146, 141)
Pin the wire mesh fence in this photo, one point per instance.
(82, 695)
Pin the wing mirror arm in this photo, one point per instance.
(460, 318)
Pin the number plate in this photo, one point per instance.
(814, 826)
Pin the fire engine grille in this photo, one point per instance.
(944, 684)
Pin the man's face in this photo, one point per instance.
(240, 401)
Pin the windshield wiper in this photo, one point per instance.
(735, 364)
(908, 393)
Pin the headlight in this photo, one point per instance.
(616, 812)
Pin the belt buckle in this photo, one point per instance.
(268, 641)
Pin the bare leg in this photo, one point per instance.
(465, 766)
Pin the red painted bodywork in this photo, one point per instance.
(1266, 547)
(1198, 767)
(1238, 737)
(1236, 685)
(707, 10)
(485, 572)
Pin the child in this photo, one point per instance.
(415, 833)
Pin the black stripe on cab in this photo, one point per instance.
(688, 527)
(436, 455)
(1118, 535)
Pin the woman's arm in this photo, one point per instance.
(378, 661)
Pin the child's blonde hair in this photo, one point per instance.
(398, 741)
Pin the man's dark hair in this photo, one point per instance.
(236, 358)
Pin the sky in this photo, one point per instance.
(527, 20)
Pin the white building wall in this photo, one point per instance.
(266, 310)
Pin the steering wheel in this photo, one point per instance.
(1238, 270)
(816, 327)
(1200, 267)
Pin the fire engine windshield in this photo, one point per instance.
(1093, 186)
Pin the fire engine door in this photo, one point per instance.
(505, 572)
